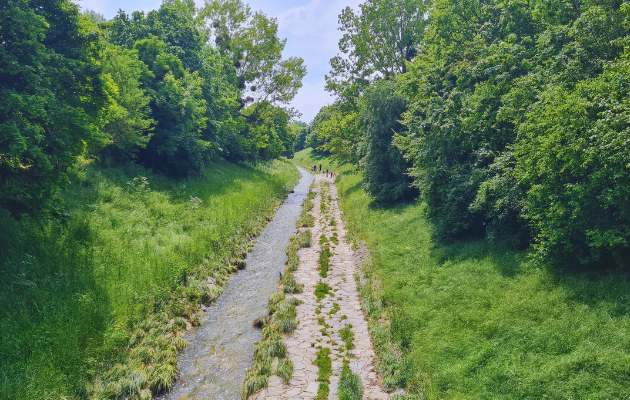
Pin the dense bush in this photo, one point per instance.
(51, 93)
(514, 126)
(574, 160)
(149, 88)
(512, 118)
(384, 168)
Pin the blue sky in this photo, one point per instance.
(310, 27)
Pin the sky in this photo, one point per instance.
(310, 27)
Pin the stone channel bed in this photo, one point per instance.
(303, 343)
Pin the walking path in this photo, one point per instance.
(339, 309)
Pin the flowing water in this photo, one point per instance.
(214, 364)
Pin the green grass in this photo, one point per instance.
(322, 391)
(94, 305)
(306, 220)
(324, 260)
(350, 386)
(321, 290)
(324, 364)
(347, 336)
(307, 158)
(473, 320)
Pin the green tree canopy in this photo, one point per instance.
(51, 93)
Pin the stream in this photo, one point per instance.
(214, 364)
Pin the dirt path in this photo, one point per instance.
(339, 309)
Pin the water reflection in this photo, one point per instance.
(213, 366)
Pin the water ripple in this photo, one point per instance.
(213, 366)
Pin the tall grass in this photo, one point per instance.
(76, 294)
(472, 320)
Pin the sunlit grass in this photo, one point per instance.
(136, 249)
(308, 158)
(473, 320)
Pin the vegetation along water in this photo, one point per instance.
(484, 173)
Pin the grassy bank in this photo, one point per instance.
(307, 158)
(95, 305)
(473, 320)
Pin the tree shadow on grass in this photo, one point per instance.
(54, 314)
(595, 288)
(349, 191)
(589, 286)
(506, 261)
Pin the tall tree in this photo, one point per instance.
(377, 43)
(126, 116)
(51, 93)
(251, 40)
(384, 168)
(177, 146)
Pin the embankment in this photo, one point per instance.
(94, 304)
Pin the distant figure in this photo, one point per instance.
(320, 168)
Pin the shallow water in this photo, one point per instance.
(214, 364)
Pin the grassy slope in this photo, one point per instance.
(307, 158)
(72, 293)
(478, 321)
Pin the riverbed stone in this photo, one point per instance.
(304, 343)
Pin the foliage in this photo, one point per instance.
(573, 158)
(377, 43)
(85, 302)
(337, 132)
(199, 117)
(266, 135)
(475, 320)
(51, 92)
(126, 116)
(250, 40)
(486, 156)
(314, 139)
(350, 386)
(299, 129)
(384, 168)
(176, 146)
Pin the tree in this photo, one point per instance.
(95, 17)
(177, 146)
(250, 40)
(336, 129)
(377, 43)
(265, 135)
(174, 23)
(384, 168)
(300, 130)
(573, 160)
(314, 139)
(51, 92)
(127, 121)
